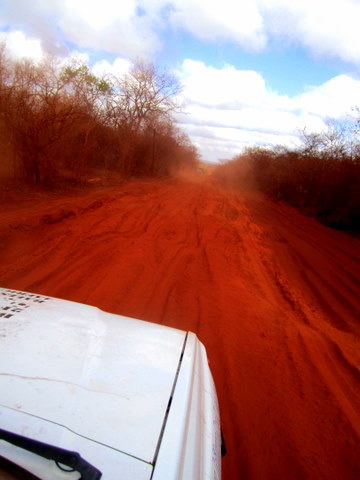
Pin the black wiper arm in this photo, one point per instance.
(59, 455)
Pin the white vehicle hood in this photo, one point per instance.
(92, 376)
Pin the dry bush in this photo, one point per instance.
(40, 112)
(321, 178)
(62, 121)
(158, 151)
(324, 186)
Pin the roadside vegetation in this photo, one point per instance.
(321, 178)
(61, 123)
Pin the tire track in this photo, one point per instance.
(272, 295)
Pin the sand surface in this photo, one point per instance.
(273, 295)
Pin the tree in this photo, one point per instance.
(146, 96)
(43, 103)
(61, 120)
(36, 118)
(143, 101)
(338, 140)
(90, 96)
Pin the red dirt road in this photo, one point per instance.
(272, 295)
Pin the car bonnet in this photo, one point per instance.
(103, 377)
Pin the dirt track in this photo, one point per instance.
(273, 296)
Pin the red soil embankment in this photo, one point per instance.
(273, 296)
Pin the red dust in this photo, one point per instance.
(273, 296)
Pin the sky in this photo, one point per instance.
(254, 72)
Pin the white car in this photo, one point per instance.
(88, 394)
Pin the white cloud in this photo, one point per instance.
(334, 98)
(19, 45)
(325, 27)
(229, 109)
(37, 20)
(118, 68)
(99, 15)
(212, 20)
(217, 144)
(226, 87)
(109, 26)
(133, 27)
(103, 68)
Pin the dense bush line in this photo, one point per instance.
(60, 121)
(322, 183)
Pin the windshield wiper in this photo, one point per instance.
(63, 458)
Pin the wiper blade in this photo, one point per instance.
(60, 456)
